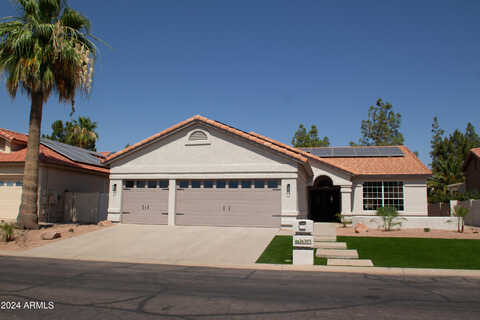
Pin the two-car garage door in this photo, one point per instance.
(204, 202)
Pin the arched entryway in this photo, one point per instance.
(324, 200)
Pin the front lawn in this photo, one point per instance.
(279, 251)
(417, 252)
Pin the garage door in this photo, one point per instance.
(10, 196)
(250, 203)
(145, 202)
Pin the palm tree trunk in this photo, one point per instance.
(27, 215)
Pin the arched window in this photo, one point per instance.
(198, 136)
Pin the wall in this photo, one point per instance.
(438, 223)
(472, 175)
(85, 207)
(55, 181)
(415, 195)
(473, 217)
(10, 196)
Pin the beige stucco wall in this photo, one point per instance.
(415, 195)
(224, 156)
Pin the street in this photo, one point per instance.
(65, 289)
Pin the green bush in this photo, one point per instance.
(461, 213)
(389, 216)
(7, 231)
(343, 219)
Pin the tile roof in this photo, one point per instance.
(476, 151)
(408, 164)
(46, 154)
(297, 156)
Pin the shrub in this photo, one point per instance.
(343, 220)
(7, 230)
(460, 212)
(389, 215)
(426, 229)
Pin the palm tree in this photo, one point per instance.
(47, 48)
(83, 134)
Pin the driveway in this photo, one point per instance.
(163, 244)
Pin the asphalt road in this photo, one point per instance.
(64, 289)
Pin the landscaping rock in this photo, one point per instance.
(51, 235)
(104, 223)
(360, 227)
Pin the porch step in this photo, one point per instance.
(329, 245)
(324, 229)
(337, 253)
(324, 238)
(350, 262)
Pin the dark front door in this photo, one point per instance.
(324, 204)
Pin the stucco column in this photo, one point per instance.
(115, 200)
(172, 189)
(346, 194)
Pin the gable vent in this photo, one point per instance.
(3, 145)
(198, 136)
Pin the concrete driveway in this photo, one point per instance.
(163, 244)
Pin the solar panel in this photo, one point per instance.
(74, 153)
(348, 152)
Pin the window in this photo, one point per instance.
(19, 183)
(2, 183)
(208, 184)
(183, 184)
(259, 184)
(129, 184)
(246, 184)
(198, 136)
(272, 184)
(378, 194)
(233, 184)
(10, 183)
(196, 184)
(220, 184)
(152, 184)
(140, 184)
(164, 184)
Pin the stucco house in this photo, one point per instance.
(204, 172)
(471, 170)
(62, 168)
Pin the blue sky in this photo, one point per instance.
(268, 66)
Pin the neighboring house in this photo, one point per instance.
(204, 172)
(62, 168)
(471, 170)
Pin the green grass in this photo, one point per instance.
(417, 252)
(279, 251)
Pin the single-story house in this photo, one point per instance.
(62, 168)
(471, 170)
(204, 172)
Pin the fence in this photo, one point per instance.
(85, 207)
(473, 217)
(441, 209)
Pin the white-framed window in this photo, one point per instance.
(378, 194)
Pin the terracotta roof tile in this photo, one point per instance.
(46, 155)
(476, 151)
(409, 164)
(215, 124)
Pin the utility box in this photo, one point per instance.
(303, 242)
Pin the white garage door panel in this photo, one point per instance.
(229, 207)
(10, 202)
(145, 206)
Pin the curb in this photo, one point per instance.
(386, 271)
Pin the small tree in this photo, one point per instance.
(389, 215)
(309, 139)
(461, 212)
(343, 220)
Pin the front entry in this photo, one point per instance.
(324, 200)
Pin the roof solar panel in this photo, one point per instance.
(73, 153)
(348, 152)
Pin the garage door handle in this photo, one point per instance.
(165, 213)
(126, 212)
(180, 214)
